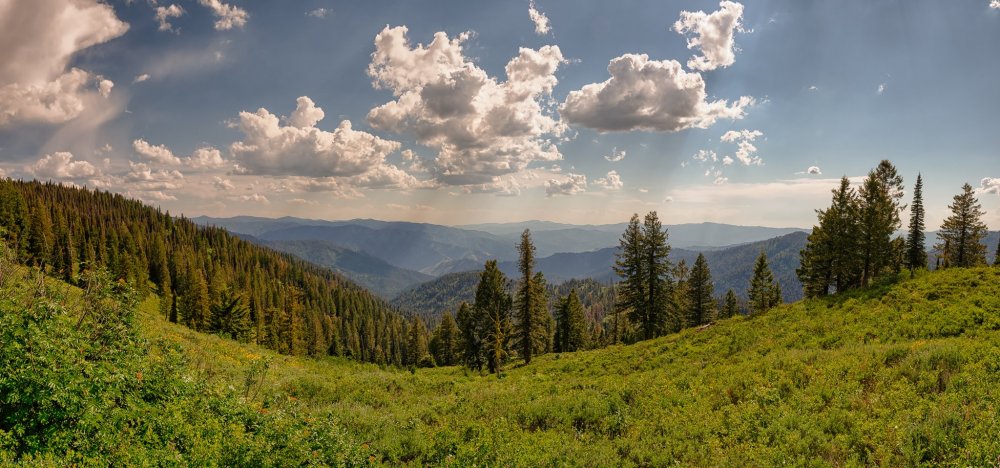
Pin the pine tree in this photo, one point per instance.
(701, 300)
(531, 336)
(542, 336)
(763, 293)
(880, 195)
(996, 258)
(13, 219)
(445, 344)
(681, 297)
(659, 288)
(231, 316)
(830, 259)
(492, 309)
(473, 353)
(731, 305)
(631, 291)
(916, 252)
(417, 348)
(40, 236)
(963, 231)
(571, 328)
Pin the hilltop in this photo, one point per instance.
(899, 374)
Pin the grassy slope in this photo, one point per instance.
(899, 374)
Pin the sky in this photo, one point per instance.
(458, 112)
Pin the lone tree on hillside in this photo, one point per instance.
(916, 253)
(701, 300)
(532, 307)
(764, 293)
(962, 232)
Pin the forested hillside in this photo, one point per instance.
(210, 280)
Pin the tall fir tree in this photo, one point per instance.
(418, 349)
(681, 300)
(830, 260)
(763, 294)
(962, 233)
(493, 311)
(571, 328)
(446, 343)
(880, 194)
(730, 305)
(701, 293)
(916, 252)
(996, 258)
(530, 328)
(473, 355)
(659, 286)
(630, 296)
(40, 236)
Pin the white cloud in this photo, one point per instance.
(255, 197)
(222, 184)
(541, 21)
(644, 94)
(720, 180)
(302, 201)
(39, 39)
(813, 88)
(746, 152)
(881, 88)
(814, 170)
(165, 14)
(995, 4)
(60, 165)
(705, 156)
(226, 16)
(573, 184)
(141, 78)
(616, 155)
(610, 182)
(301, 149)
(104, 87)
(156, 153)
(143, 177)
(990, 184)
(206, 158)
(319, 13)
(713, 34)
(727, 161)
(482, 128)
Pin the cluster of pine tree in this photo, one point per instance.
(207, 278)
(853, 243)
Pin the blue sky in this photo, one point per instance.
(464, 112)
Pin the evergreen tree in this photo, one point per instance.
(916, 252)
(681, 297)
(571, 328)
(830, 259)
(492, 309)
(701, 300)
(880, 194)
(996, 258)
(40, 236)
(445, 344)
(417, 348)
(195, 307)
(631, 291)
(473, 353)
(531, 335)
(963, 231)
(763, 293)
(13, 218)
(231, 316)
(543, 333)
(730, 305)
(659, 287)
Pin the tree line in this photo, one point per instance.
(653, 298)
(207, 279)
(854, 242)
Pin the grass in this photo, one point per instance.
(904, 373)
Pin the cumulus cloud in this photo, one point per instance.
(616, 155)
(319, 13)
(990, 184)
(573, 184)
(39, 39)
(206, 158)
(541, 21)
(226, 16)
(155, 153)
(222, 184)
(270, 148)
(164, 14)
(713, 34)
(482, 128)
(255, 197)
(995, 4)
(104, 87)
(814, 170)
(612, 181)
(705, 156)
(141, 176)
(60, 165)
(746, 152)
(881, 88)
(141, 78)
(644, 94)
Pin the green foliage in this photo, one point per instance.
(492, 316)
(701, 294)
(764, 293)
(531, 304)
(962, 232)
(646, 290)
(916, 251)
(571, 326)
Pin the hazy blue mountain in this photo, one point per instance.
(373, 273)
